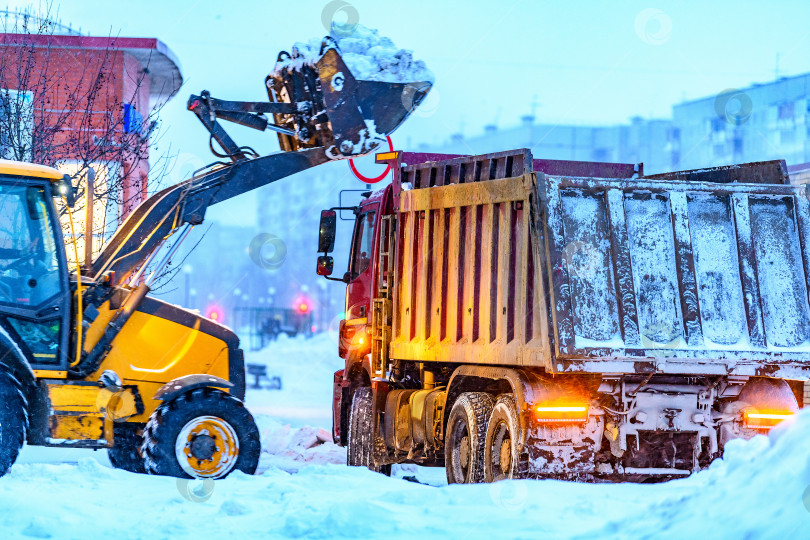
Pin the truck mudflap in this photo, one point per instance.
(565, 451)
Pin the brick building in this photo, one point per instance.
(70, 101)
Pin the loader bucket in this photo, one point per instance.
(349, 117)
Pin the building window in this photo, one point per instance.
(718, 125)
(16, 125)
(601, 154)
(786, 111)
(738, 146)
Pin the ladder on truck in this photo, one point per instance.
(381, 304)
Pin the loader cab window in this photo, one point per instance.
(29, 263)
(363, 240)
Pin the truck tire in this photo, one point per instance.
(13, 419)
(464, 441)
(502, 460)
(125, 453)
(361, 439)
(204, 433)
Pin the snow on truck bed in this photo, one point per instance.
(756, 491)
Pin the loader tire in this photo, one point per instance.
(13, 419)
(360, 451)
(502, 459)
(464, 441)
(204, 433)
(125, 453)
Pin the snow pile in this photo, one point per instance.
(285, 417)
(368, 55)
(756, 492)
(760, 490)
(290, 449)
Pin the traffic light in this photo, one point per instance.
(214, 313)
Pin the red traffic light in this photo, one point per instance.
(214, 313)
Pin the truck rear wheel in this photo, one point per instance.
(125, 453)
(464, 441)
(502, 460)
(13, 419)
(205, 433)
(360, 451)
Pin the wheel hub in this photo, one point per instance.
(203, 446)
(506, 455)
(207, 447)
(464, 452)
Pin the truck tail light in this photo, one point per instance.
(560, 413)
(764, 420)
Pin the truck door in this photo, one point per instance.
(361, 265)
(34, 293)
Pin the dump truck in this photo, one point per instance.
(511, 317)
(87, 358)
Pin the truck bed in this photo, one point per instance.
(499, 263)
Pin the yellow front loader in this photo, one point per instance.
(88, 359)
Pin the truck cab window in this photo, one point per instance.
(363, 239)
(29, 266)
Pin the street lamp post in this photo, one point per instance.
(187, 269)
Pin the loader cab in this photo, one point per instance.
(34, 288)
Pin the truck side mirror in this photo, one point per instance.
(327, 231)
(325, 265)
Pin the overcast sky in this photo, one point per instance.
(577, 62)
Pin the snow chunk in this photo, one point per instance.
(368, 55)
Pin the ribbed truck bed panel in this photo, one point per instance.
(582, 274)
(467, 280)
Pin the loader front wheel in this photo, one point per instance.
(125, 453)
(464, 442)
(361, 439)
(205, 433)
(13, 419)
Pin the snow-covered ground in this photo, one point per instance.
(761, 489)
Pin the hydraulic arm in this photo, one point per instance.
(320, 113)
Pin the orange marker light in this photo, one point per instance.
(765, 420)
(560, 413)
